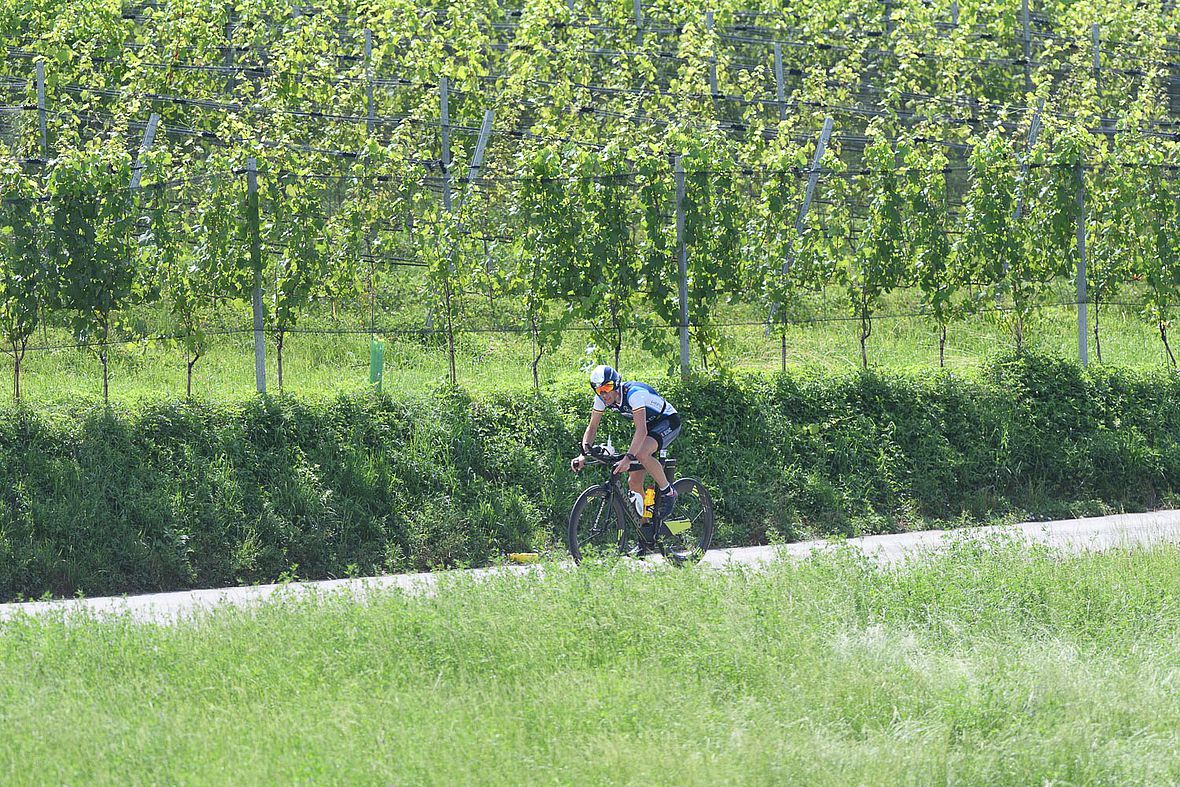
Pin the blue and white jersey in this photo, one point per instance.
(636, 396)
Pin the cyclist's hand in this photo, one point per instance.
(621, 465)
(578, 463)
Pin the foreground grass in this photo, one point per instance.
(989, 665)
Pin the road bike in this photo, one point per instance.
(607, 520)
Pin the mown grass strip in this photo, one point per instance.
(319, 365)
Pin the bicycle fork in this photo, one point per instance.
(622, 527)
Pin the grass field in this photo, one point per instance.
(328, 363)
(988, 665)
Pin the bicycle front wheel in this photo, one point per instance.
(596, 526)
(687, 532)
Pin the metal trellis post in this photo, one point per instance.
(1034, 129)
(682, 263)
(485, 131)
(812, 180)
(801, 220)
(370, 124)
(40, 71)
(1095, 34)
(1027, 45)
(712, 55)
(955, 14)
(256, 262)
(638, 22)
(372, 117)
(444, 156)
(230, 82)
(149, 136)
(445, 131)
(780, 93)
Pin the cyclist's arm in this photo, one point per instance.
(592, 427)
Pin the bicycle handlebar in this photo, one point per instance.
(599, 455)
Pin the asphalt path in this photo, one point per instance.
(1092, 534)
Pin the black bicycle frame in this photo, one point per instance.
(614, 485)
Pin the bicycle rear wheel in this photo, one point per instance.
(687, 531)
(596, 526)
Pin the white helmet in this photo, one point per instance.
(603, 375)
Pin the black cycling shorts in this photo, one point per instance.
(665, 430)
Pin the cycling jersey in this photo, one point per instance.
(635, 396)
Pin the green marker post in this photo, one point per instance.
(376, 362)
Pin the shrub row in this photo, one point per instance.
(198, 494)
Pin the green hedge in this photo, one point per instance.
(192, 494)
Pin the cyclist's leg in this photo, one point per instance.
(651, 463)
(645, 453)
(635, 480)
(664, 433)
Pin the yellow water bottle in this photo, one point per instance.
(649, 502)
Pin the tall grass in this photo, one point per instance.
(993, 664)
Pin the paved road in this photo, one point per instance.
(1096, 533)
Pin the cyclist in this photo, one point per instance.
(656, 425)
